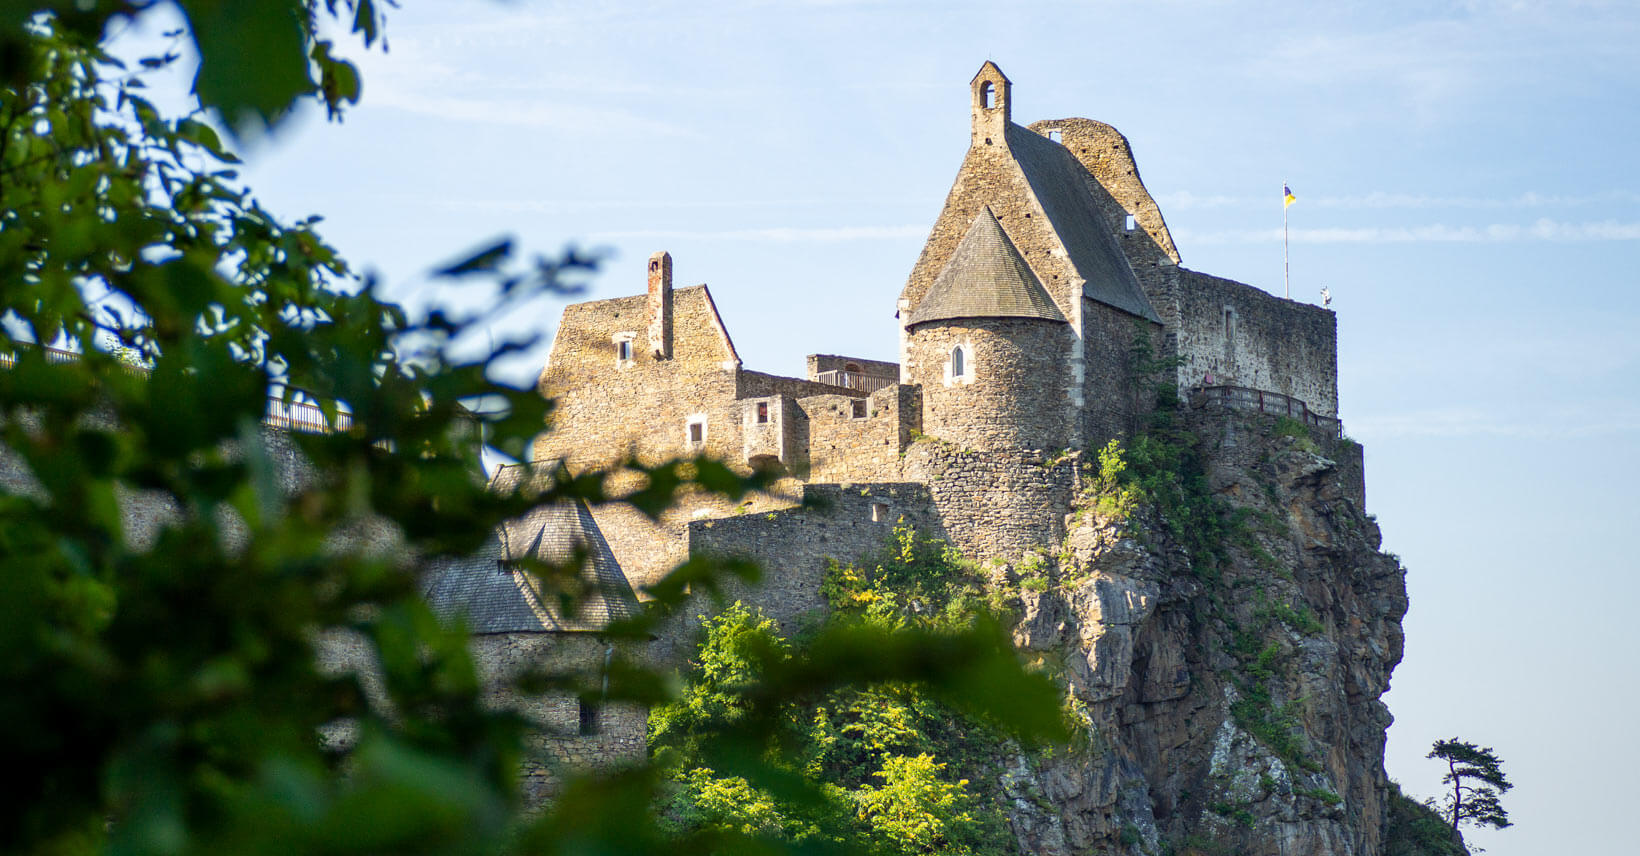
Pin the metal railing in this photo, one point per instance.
(303, 416)
(1262, 401)
(861, 381)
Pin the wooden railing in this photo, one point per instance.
(856, 380)
(1262, 401)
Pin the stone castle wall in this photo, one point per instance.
(844, 446)
(1243, 336)
(607, 407)
(994, 505)
(840, 523)
(1013, 392)
(1113, 400)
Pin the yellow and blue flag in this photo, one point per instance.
(1287, 197)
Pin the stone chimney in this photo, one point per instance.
(990, 107)
(660, 305)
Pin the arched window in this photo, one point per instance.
(959, 362)
(986, 93)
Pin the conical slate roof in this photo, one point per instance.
(985, 278)
(494, 595)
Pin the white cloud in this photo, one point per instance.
(1474, 422)
(776, 235)
(1494, 233)
(1379, 199)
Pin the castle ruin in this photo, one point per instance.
(1049, 268)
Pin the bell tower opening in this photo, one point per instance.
(990, 105)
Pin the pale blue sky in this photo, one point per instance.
(1467, 191)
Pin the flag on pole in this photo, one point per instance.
(1287, 197)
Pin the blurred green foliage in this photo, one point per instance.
(160, 692)
(880, 764)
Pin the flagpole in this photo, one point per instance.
(1286, 270)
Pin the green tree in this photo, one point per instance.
(1475, 774)
(161, 690)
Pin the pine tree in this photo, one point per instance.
(1475, 774)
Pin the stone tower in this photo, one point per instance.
(991, 349)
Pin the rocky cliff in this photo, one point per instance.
(1226, 659)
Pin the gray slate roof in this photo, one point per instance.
(1056, 179)
(495, 597)
(985, 278)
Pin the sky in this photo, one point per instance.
(1467, 191)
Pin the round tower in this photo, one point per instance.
(991, 350)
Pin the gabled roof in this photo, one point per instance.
(493, 596)
(1055, 178)
(985, 278)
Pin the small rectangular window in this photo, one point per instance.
(762, 412)
(879, 512)
(1132, 222)
(1055, 135)
(589, 718)
(697, 432)
(624, 347)
(858, 408)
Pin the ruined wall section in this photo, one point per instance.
(607, 406)
(1243, 336)
(818, 363)
(1011, 395)
(844, 446)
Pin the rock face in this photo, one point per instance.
(1228, 706)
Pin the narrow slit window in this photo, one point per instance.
(762, 412)
(624, 349)
(589, 718)
(959, 362)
